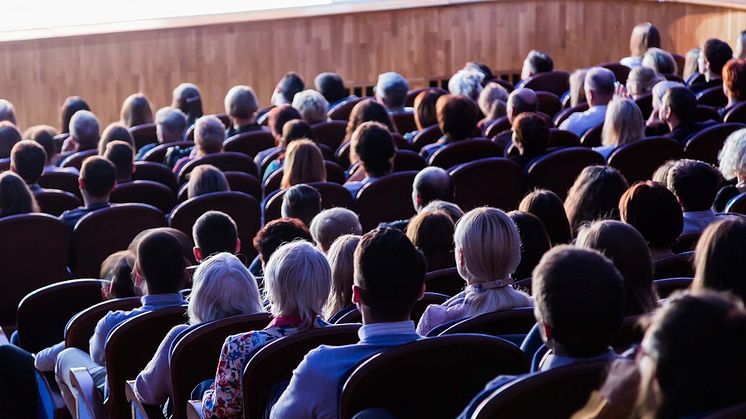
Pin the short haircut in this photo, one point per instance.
(331, 86)
(122, 155)
(302, 202)
(290, 84)
(136, 111)
(44, 135)
(368, 110)
(659, 60)
(579, 295)
(7, 111)
(99, 176)
(530, 133)
(311, 105)
(654, 211)
(695, 184)
(9, 136)
(70, 106)
(303, 163)
(546, 205)
(279, 116)
(241, 102)
(295, 129)
(115, 132)
(373, 146)
(84, 127)
(493, 100)
(332, 223)
(734, 79)
(660, 89)
(206, 178)
(600, 80)
(523, 100)
(432, 233)
(160, 262)
(717, 53)
(392, 88)
(641, 80)
(170, 124)
(424, 107)
(215, 232)
(277, 232)
(682, 102)
(467, 83)
(28, 159)
(432, 183)
(390, 273)
(457, 116)
(539, 62)
(209, 134)
(720, 257)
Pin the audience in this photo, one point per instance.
(715, 53)
(374, 148)
(679, 111)
(492, 102)
(84, 133)
(114, 132)
(303, 163)
(644, 36)
(534, 242)
(312, 106)
(332, 87)
(15, 196)
(424, 111)
(457, 118)
(70, 107)
(431, 232)
(44, 136)
(659, 60)
(170, 126)
(273, 235)
(295, 129)
(654, 211)
(734, 84)
(27, 159)
(290, 85)
(330, 224)
(302, 202)
(453, 210)
(466, 83)
(594, 196)
(536, 62)
(341, 260)
(204, 179)
(214, 232)
(530, 138)
(136, 111)
(188, 99)
(623, 125)
(654, 124)
(7, 111)
(241, 106)
(577, 87)
(431, 184)
(732, 159)
(641, 81)
(368, 110)
(691, 67)
(520, 101)
(209, 135)
(391, 90)
(719, 260)
(278, 117)
(695, 185)
(122, 156)
(97, 178)
(599, 89)
(548, 207)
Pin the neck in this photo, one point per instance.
(371, 318)
(709, 76)
(91, 200)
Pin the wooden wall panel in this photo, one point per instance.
(423, 44)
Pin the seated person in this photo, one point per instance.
(297, 283)
(114, 132)
(295, 129)
(732, 165)
(368, 110)
(430, 184)
(374, 148)
(27, 159)
(289, 85)
(734, 84)
(424, 111)
(241, 105)
(97, 179)
(519, 101)
(719, 258)
(641, 81)
(623, 125)
(576, 94)
(457, 118)
(431, 232)
(644, 36)
(493, 103)
(599, 89)
(7, 111)
(188, 99)
(536, 62)
(84, 134)
(304, 163)
(679, 111)
(659, 60)
(170, 126)
(121, 155)
(534, 242)
(579, 308)
(391, 90)
(389, 279)
(209, 135)
(530, 137)
(341, 259)
(15, 196)
(466, 82)
(714, 54)
(273, 235)
(312, 106)
(302, 202)
(548, 207)
(206, 178)
(655, 212)
(277, 118)
(695, 185)
(9, 136)
(214, 232)
(332, 87)
(136, 110)
(654, 125)
(594, 196)
(332, 223)
(44, 136)
(488, 251)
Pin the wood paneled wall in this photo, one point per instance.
(422, 44)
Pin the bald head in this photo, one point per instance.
(520, 101)
(599, 86)
(430, 184)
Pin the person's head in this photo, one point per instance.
(15, 196)
(578, 301)
(466, 83)
(654, 211)
(695, 184)
(222, 287)
(170, 124)
(331, 86)
(84, 130)
(626, 247)
(493, 101)
(740, 52)
(70, 106)
(715, 53)
(530, 133)
(678, 356)
(373, 146)
(577, 87)
(332, 223)
(520, 101)
(719, 257)
(644, 36)
(311, 105)
(661, 173)
(368, 110)
(391, 90)
(536, 62)
(457, 116)
(278, 117)
(241, 105)
(623, 123)
(341, 257)
(182, 238)
(641, 81)
(659, 90)
(188, 99)
(302, 202)
(691, 65)
(595, 196)
(430, 184)
(304, 163)
(599, 86)
(482, 68)
(295, 129)
(679, 106)
(27, 159)
(9, 136)
(97, 178)
(209, 135)
(44, 136)
(734, 80)
(277, 232)
(122, 155)
(136, 111)
(732, 157)
(548, 207)
(290, 84)
(160, 263)
(659, 60)
(117, 270)
(453, 210)
(214, 232)
(389, 276)
(534, 242)
(114, 132)
(206, 178)
(424, 107)
(7, 111)
(432, 233)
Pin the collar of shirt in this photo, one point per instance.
(368, 331)
(280, 321)
(552, 361)
(97, 206)
(162, 300)
(596, 109)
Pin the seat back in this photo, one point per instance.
(55, 202)
(707, 113)
(33, 254)
(557, 82)
(426, 136)
(417, 371)
(80, 327)
(386, 199)
(645, 103)
(405, 160)
(549, 103)
(667, 286)
(497, 126)
(329, 133)
(226, 161)
(157, 154)
(504, 176)
(334, 173)
(274, 363)
(60, 180)
(557, 170)
(638, 161)
(676, 266)
(144, 192)
(157, 172)
(404, 122)
(630, 333)
(562, 138)
(43, 313)
(445, 281)
(250, 143)
(737, 113)
(714, 96)
(516, 321)
(464, 151)
(144, 134)
(686, 242)
(341, 111)
(592, 137)
(332, 195)
(706, 144)
(76, 159)
(354, 316)
(737, 204)
(565, 113)
(196, 352)
(244, 182)
(621, 71)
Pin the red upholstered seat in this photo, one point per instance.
(557, 170)
(157, 154)
(76, 159)
(144, 134)
(144, 192)
(592, 137)
(706, 144)
(354, 316)
(332, 195)
(330, 133)
(64, 181)
(426, 136)
(557, 82)
(737, 204)
(516, 321)
(80, 328)
(405, 160)
(404, 122)
(549, 103)
(737, 113)
(562, 138)
(495, 182)
(445, 281)
(645, 103)
(157, 172)
(342, 110)
(250, 143)
(499, 125)
(707, 113)
(237, 181)
(621, 71)
(638, 161)
(714, 96)
(226, 161)
(676, 266)
(55, 202)
(395, 190)
(464, 151)
(667, 286)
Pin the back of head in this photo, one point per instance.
(296, 129)
(114, 132)
(290, 85)
(453, 210)
(209, 134)
(84, 128)
(122, 156)
(579, 297)
(15, 196)
(641, 81)
(682, 103)
(136, 111)
(277, 232)
(44, 136)
(661, 173)
(341, 257)
(520, 101)
(331, 86)
(599, 82)
(530, 133)
(623, 124)
(206, 178)
(734, 79)
(98, 176)
(368, 110)
(241, 102)
(215, 232)
(28, 159)
(424, 107)
(659, 60)
(7, 111)
(457, 116)
(488, 246)
(595, 195)
(482, 68)
(716, 53)
(9, 136)
(466, 83)
(170, 124)
(695, 184)
(660, 89)
(332, 223)
(373, 146)
(720, 260)
(302, 202)
(311, 105)
(654, 211)
(644, 36)
(732, 157)
(160, 262)
(432, 233)
(392, 89)
(71, 105)
(304, 163)
(279, 116)
(431, 183)
(390, 273)
(548, 207)
(493, 101)
(577, 87)
(117, 268)
(534, 242)
(538, 62)
(188, 99)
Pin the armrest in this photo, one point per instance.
(88, 403)
(3, 338)
(140, 410)
(50, 397)
(194, 409)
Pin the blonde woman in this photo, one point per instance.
(488, 251)
(304, 163)
(641, 81)
(340, 257)
(206, 178)
(136, 111)
(623, 125)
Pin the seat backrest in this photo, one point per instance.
(645, 103)
(562, 138)
(267, 160)
(386, 199)
(621, 71)
(638, 161)
(737, 113)
(557, 170)
(250, 143)
(60, 180)
(707, 113)
(55, 202)
(686, 242)
(33, 253)
(226, 161)
(243, 208)
(354, 316)
(332, 195)
(196, 352)
(667, 286)
(334, 173)
(498, 323)
(157, 172)
(630, 333)
(43, 313)
(560, 117)
(504, 175)
(737, 204)
(445, 281)
(80, 327)
(144, 192)
(157, 154)
(549, 103)
(592, 137)
(556, 393)
(329, 133)
(76, 159)
(244, 182)
(706, 144)
(144, 134)
(426, 136)
(404, 122)
(418, 371)
(341, 111)
(676, 266)
(557, 82)
(464, 151)
(497, 126)
(714, 96)
(275, 362)
(129, 347)
(405, 160)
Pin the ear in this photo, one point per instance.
(422, 292)
(106, 291)
(238, 246)
(81, 183)
(546, 332)
(197, 254)
(460, 256)
(138, 278)
(356, 295)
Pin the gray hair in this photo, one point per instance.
(84, 128)
(493, 100)
(297, 281)
(660, 89)
(209, 134)
(467, 83)
(7, 111)
(222, 287)
(241, 102)
(311, 105)
(600, 80)
(659, 60)
(732, 156)
(453, 210)
(332, 223)
(170, 124)
(392, 88)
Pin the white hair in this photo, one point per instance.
(732, 156)
(209, 133)
(7, 111)
(170, 123)
(222, 287)
(392, 88)
(311, 105)
(660, 89)
(600, 80)
(84, 127)
(297, 281)
(241, 102)
(493, 95)
(329, 224)
(467, 83)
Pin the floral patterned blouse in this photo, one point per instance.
(223, 399)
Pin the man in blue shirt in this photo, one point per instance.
(96, 180)
(389, 279)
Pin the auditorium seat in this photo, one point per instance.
(676, 266)
(686, 242)
(225, 161)
(667, 286)
(405, 160)
(592, 137)
(76, 159)
(330, 133)
(342, 110)
(549, 103)
(64, 181)
(714, 96)
(80, 327)
(706, 144)
(107, 230)
(395, 190)
(55, 202)
(441, 373)
(736, 114)
(621, 71)
(543, 171)
(645, 103)
(334, 173)
(263, 163)
(157, 154)
(504, 83)
(445, 281)
(499, 125)
(562, 138)
(143, 135)
(144, 192)
(638, 161)
(354, 316)
(494, 181)
(250, 143)
(244, 182)
(426, 136)
(332, 195)
(557, 82)
(157, 172)
(560, 117)
(516, 321)
(630, 333)
(37, 258)
(464, 151)
(737, 204)
(59, 140)
(404, 122)
(412, 95)
(707, 113)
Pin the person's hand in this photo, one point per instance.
(68, 146)
(620, 90)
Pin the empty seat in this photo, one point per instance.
(549, 103)
(55, 202)
(157, 154)
(395, 190)
(80, 327)
(341, 111)
(714, 96)
(557, 170)
(638, 161)
(250, 143)
(157, 172)
(557, 82)
(737, 113)
(676, 266)
(464, 151)
(144, 134)
(332, 195)
(330, 133)
(426, 136)
(404, 122)
(667, 286)
(706, 144)
(76, 159)
(495, 182)
(592, 137)
(144, 192)
(226, 161)
(621, 71)
(61, 180)
(445, 281)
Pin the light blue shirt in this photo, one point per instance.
(580, 122)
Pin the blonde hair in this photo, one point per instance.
(577, 87)
(641, 81)
(136, 111)
(341, 260)
(623, 123)
(206, 178)
(732, 156)
(659, 60)
(222, 287)
(644, 36)
(488, 248)
(304, 163)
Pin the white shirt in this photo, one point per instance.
(580, 122)
(367, 331)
